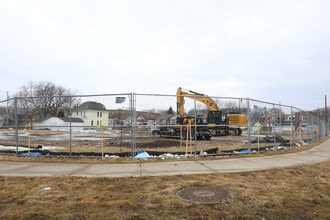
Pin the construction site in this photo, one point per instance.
(105, 159)
(125, 125)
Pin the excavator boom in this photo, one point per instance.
(180, 94)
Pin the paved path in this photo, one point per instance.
(318, 154)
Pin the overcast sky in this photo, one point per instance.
(276, 51)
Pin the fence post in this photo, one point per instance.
(7, 111)
(310, 127)
(323, 128)
(291, 129)
(133, 124)
(249, 123)
(195, 125)
(70, 122)
(16, 125)
(313, 128)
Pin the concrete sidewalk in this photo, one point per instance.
(318, 154)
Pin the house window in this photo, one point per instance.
(273, 118)
(97, 123)
(77, 113)
(100, 114)
(92, 123)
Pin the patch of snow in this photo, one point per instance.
(12, 148)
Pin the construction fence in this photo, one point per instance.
(127, 124)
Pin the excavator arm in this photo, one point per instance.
(180, 94)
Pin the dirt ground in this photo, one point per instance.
(116, 141)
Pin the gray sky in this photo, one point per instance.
(276, 51)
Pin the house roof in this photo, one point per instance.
(90, 106)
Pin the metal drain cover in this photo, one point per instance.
(205, 194)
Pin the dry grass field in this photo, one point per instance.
(301, 192)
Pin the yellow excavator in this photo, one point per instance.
(219, 124)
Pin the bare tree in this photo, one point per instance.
(258, 114)
(231, 105)
(43, 99)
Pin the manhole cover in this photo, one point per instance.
(205, 194)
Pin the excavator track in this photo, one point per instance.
(225, 131)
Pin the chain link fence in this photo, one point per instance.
(128, 124)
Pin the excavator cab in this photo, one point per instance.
(199, 130)
(215, 117)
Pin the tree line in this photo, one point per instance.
(41, 100)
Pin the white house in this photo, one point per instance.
(92, 113)
(58, 123)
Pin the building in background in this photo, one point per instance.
(93, 114)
